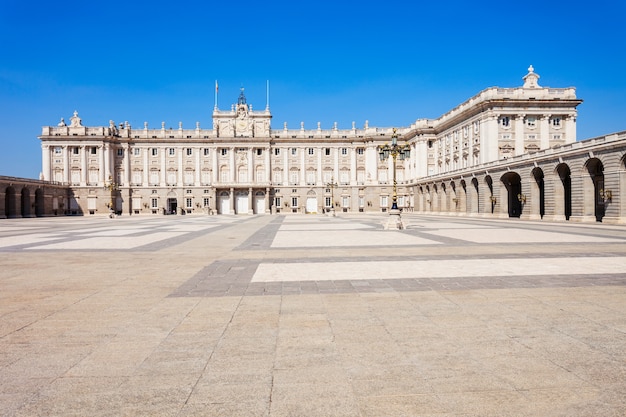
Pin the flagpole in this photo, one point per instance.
(216, 88)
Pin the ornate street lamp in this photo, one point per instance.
(332, 185)
(401, 152)
(112, 187)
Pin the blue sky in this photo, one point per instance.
(329, 61)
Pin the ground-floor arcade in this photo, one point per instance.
(574, 183)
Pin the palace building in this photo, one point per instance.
(243, 166)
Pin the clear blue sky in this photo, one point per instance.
(329, 61)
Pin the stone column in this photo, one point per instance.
(163, 151)
(250, 201)
(126, 148)
(146, 167)
(180, 171)
(232, 167)
(519, 134)
(544, 131)
(45, 163)
(250, 154)
(319, 180)
(107, 162)
(285, 178)
(232, 200)
(303, 166)
(66, 164)
(103, 161)
(352, 165)
(197, 179)
(84, 165)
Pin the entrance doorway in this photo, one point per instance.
(224, 202)
(172, 205)
(241, 200)
(259, 202)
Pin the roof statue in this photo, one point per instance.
(75, 121)
(530, 79)
(242, 97)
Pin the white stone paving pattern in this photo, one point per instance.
(352, 271)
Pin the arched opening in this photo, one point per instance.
(444, 198)
(513, 184)
(223, 202)
(311, 202)
(39, 201)
(463, 197)
(453, 197)
(9, 203)
(596, 173)
(474, 197)
(172, 203)
(563, 194)
(25, 202)
(538, 192)
(435, 199)
(242, 205)
(492, 199)
(259, 202)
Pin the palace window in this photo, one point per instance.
(224, 151)
(189, 151)
(189, 203)
(120, 152)
(327, 151)
(205, 202)
(277, 202)
(259, 151)
(171, 151)
(94, 150)
(344, 151)
(75, 150)
(505, 121)
(136, 151)
(276, 151)
(294, 151)
(155, 203)
(556, 121)
(311, 151)
(206, 151)
(359, 151)
(294, 201)
(154, 151)
(531, 121)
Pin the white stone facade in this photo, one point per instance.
(243, 166)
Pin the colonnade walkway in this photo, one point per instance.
(310, 315)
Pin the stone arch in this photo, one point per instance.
(512, 194)
(434, 200)
(474, 197)
(39, 202)
(593, 187)
(562, 192)
(454, 200)
(25, 202)
(443, 206)
(491, 198)
(537, 193)
(462, 191)
(10, 207)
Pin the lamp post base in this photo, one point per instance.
(394, 222)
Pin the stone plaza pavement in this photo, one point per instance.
(308, 315)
